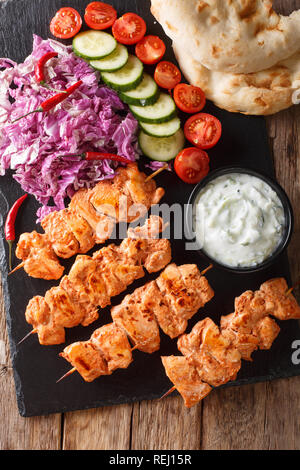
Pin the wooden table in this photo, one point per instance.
(262, 416)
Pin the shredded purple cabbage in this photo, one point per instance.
(91, 119)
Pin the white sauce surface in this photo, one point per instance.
(239, 220)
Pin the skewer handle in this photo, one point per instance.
(163, 168)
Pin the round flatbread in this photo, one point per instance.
(238, 36)
(261, 93)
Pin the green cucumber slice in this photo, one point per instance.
(113, 62)
(162, 111)
(93, 44)
(162, 149)
(127, 78)
(165, 129)
(145, 94)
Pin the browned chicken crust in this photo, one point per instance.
(89, 219)
(93, 281)
(140, 315)
(212, 355)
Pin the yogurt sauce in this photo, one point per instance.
(239, 220)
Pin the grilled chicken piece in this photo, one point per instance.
(88, 308)
(101, 224)
(82, 231)
(169, 321)
(149, 230)
(109, 199)
(186, 379)
(267, 331)
(88, 281)
(63, 311)
(138, 321)
(39, 316)
(63, 241)
(40, 261)
(143, 246)
(141, 192)
(126, 197)
(107, 350)
(198, 289)
(246, 343)
(282, 304)
(117, 272)
(184, 289)
(249, 328)
(217, 361)
(157, 255)
(88, 360)
(114, 346)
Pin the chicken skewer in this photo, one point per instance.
(90, 219)
(212, 355)
(93, 281)
(168, 302)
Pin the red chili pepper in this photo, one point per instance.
(105, 156)
(99, 156)
(40, 69)
(9, 228)
(50, 103)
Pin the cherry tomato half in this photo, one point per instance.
(203, 130)
(99, 15)
(188, 98)
(167, 75)
(66, 23)
(129, 29)
(150, 50)
(192, 165)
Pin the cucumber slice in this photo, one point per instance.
(162, 149)
(162, 111)
(94, 44)
(145, 94)
(165, 129)
(127, 78)
(113, 62)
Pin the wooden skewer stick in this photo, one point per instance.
(21, 265)
(163, 168)
(32, 332)
(168, 393)
(207, 269)
(288, 292)
(74, 368)
(66, 375)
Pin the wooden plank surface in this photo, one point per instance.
(261, 416)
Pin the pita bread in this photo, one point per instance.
(261, 93)
(238, 36)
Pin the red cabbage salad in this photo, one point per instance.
(92, 119)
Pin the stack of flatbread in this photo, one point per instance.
(244, 56)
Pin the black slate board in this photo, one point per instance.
(37, 368)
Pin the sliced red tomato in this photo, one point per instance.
(129, 29)
(188, 98)
(192, 165)
(203, 130)
(167, 75)
(99, 15)
(66, 23)
(150, 49)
